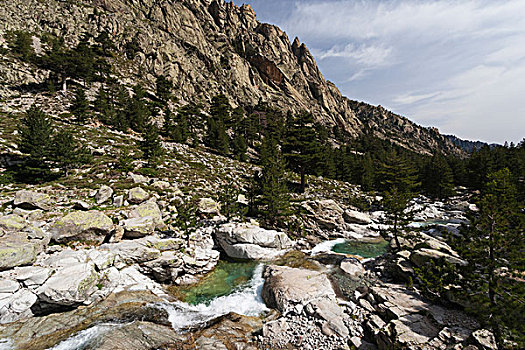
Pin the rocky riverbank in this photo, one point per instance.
(99, 271)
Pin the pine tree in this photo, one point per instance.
(136, 109)
(300, 147)
(437, 179)
(67, 152)
(22, 45)
(228, 199)
(398, 181)
(220, 116)
(273, 189)
(35, 135)
(187, 220)
(150, 145)
(397, 171)
(80, 106)
(493, 245)
(164, 89)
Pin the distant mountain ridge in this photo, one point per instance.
(207, 47)
(467, 145)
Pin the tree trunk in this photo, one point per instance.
(64, 84)
(492, 288)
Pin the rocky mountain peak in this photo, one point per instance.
(208, 47)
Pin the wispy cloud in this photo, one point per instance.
(412, 98)
(366, 55)
(459, 65)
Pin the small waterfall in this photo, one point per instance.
(326, 246)
(87, 338)
(246, 301)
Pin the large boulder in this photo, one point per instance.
(16, 305)
(290, 289)
(12, 222)
(32, 200)
(422, 256)
(248, 241)
(91, 226)
(136, 251)
(103, 194)
(285, 287)
(356, 217)
(70, 285)
(352, 267)
(149, 209)
(138, 227)
(327, 213)
(410, 322)
(17, 250)
(208, 206)
(137, 195)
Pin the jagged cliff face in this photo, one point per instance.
(209, 47)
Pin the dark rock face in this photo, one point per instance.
(211, 47)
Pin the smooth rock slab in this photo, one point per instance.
(17, 250)
(352, 267)
(422, 256)
(32, 200)
(247, 241)
(138, 227)
(12, 222)
(70, 286)
(285, 286)
(356, 217)
(82, 226)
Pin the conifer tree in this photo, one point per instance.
(80, 106)
(274, 194)
(398, 181)
(35, 135)
(216, 137)
(22, 45)
(67, 152)
(164, 88)
(136, 109)
(300, 147)
(437, 179)
(493, 245)
(228, 199)
(150, 145)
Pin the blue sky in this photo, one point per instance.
(456, 65)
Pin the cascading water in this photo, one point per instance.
(326, 246)
(246, 301)
(87, 338)
(365, 249)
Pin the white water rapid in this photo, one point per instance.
(87, 338)
(326, 246)
(246, 301)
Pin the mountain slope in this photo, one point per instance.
(210, 47)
